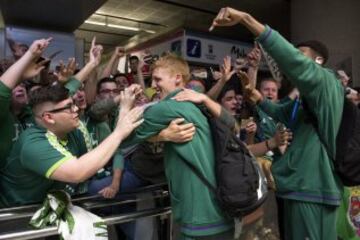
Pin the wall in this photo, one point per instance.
(336, 23)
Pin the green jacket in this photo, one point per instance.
(305, 171)
(193, 205)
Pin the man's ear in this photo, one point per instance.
(319, 60)
(47, 118)
(178, 79)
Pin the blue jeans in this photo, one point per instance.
(129, 181)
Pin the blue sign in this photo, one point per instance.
(193, 48)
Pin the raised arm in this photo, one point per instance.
(226, 75)
(253, 60)
(111, 66)
(302, 71)
(230, 17)
(94, 61)
(13, 75)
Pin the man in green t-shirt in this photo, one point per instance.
(55, 150)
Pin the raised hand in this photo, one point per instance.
(227, 17)
(119, 52)
(254, 56)
(95, 52)
(250, 93)
(34, 69)
(225, 69)
(65, 72)
(38, 47)
(245, 81)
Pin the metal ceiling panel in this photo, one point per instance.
(59, 15)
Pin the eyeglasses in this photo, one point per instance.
(70, 106)
(108, 91)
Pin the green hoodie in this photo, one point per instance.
(193, 205)
(305, 171)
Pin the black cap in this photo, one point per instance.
(317, 46)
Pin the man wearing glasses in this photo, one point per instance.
(55, 151)
(107, 89)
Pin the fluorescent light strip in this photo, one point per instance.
(124, 27)
(95, 23)
(150, 31)
(118, 26)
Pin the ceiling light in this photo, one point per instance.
(119, 26)
(123, 27)
(95, 23)
(150, 31)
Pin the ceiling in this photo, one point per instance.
(151, 17)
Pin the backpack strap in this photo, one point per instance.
(314, 123)
(199, 174)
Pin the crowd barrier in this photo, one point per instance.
(13, 221)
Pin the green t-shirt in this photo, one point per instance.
(193, 204)
(35, 156)
(10, 127)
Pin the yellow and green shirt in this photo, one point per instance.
(24, 179)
